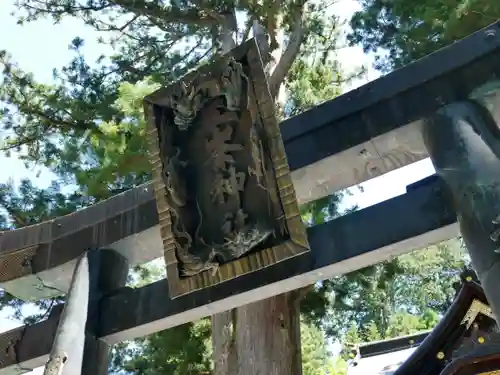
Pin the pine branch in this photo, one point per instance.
(167, 14)
(156, 12)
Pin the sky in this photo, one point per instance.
(41, 46)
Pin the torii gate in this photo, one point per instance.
(351, 139)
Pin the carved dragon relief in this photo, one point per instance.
(191, 95)
(218, 183)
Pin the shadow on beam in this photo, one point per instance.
(376, 128)
(394, 100)
(421, 217)
(37, 261)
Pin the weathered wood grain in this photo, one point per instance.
(37, 261)
(201, 255)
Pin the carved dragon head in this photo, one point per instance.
(190, 97)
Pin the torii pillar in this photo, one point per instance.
(463, 141)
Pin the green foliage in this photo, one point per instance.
(352, 336)
(399, 297)
(403, 296)
(311, 84)
(120, 152)
(147, 39)
(338, 366)
(405, 30)
(27, 204)
(178, 351)
(371, 332)
(315, 356)
(403, 323)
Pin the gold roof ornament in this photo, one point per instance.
(476, 307)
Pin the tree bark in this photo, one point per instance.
(262, 338)
(464, 144)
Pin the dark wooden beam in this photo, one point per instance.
(376, 128)
(401, 86)
(26, 348)
(37, 261)
(372, 349)
(421, 217)
(357, 136)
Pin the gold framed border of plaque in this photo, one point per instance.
(245, 60)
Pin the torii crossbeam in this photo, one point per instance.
(360, 135)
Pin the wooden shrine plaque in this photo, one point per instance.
(225, 198)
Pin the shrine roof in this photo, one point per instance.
(466, 325)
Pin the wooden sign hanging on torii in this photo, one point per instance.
(226, 202)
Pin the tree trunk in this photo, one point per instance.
(262, 338)
(464, 144)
